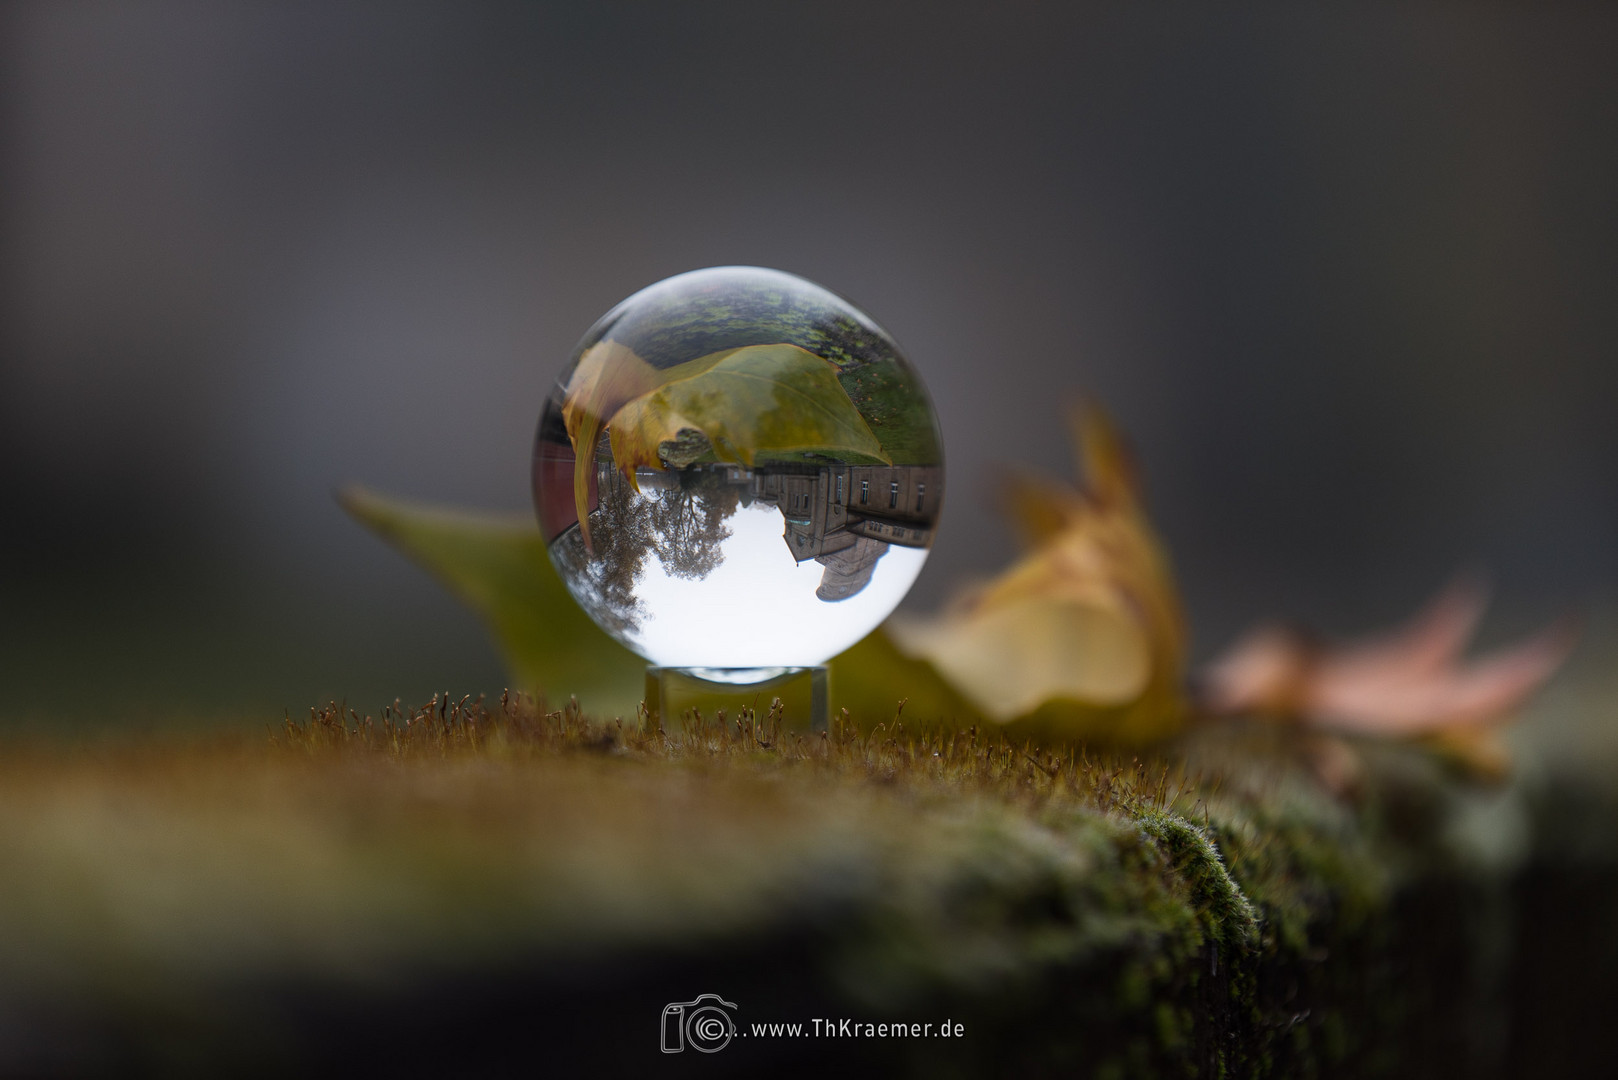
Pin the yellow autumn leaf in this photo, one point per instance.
(1084, 634)
(744, 402)
(747, 401)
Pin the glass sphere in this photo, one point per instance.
(738, 470)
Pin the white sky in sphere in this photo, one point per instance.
(758, 608)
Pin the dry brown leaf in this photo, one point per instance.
(1409, 683)
(1086, 628)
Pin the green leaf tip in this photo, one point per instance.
(497, 564)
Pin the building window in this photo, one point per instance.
(921, 492)
(865, 491)
(839, 487)
(893, 495)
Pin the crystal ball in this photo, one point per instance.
(738, 470)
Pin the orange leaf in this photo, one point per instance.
(1409, 683)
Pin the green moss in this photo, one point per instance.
(1084, 916)
(1226, 913)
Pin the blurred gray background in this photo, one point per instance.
(1348, 274)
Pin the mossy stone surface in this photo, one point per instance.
(480, 890)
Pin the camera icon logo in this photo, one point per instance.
(703, 1024)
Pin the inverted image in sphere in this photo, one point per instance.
(738, 469)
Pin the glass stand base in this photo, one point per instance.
(671, 692)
